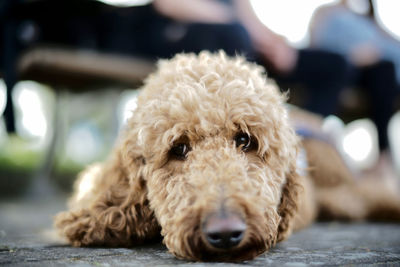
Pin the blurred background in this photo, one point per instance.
(71, 69)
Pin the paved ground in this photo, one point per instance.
(26, 240)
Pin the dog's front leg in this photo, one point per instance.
(114, 212)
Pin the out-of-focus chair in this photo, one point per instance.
(76, 68)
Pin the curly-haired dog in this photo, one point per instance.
(208, 160)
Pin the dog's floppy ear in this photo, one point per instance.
(115, 211)
(288, 206)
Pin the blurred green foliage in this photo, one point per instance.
(19, 163)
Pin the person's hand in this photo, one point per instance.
(365, 55)
(277, 52)
(274, 48)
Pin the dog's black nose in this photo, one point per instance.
(224, 230)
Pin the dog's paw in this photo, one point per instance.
(78, 228)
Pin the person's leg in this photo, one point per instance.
(170, 37)
(10, 75)
(128, 31)
(380, 81)
(323, 74)
(142, 31)
(9, 116)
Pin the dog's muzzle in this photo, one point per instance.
(224, 230)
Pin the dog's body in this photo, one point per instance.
(208, 160)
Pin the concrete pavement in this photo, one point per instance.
(26, 239)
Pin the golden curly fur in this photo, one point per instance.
(177, 161)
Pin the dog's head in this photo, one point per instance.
(211, 140)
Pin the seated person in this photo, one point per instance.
(370, 52)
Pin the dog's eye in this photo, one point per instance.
(243, 141)
(180, 151)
